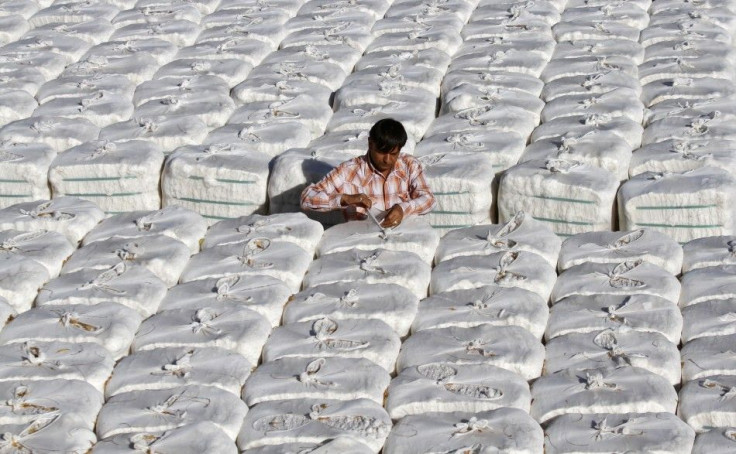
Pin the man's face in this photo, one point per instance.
(383, 161)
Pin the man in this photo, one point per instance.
(384, 178)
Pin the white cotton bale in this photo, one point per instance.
(483, 118)
(93, 32)
(16, 105)
(269, 138)
(648, 432)
(490, 81)
(444, 222)
(399, 77)
(613, 247)
(687, 49)
(130, 285)
(70, 216)
(705, 403)
(461, 8)
(416, 23)
(708, 356)
(356, 92)
(467, 95)
(24, 167)
(440, 388)
(708, 283)
(17, 77)
(620, 102)
(478, 28)
(57, 132)
(520, 233)
(372, 8)
(628, 129)
(110, 325)
(242, 11)
(487, 305)
(721, 106)
(330, 63)
(528, 63)
(616, 47)
(346, 33)
(425, 58)
(689, 29)
(145, 411)
(682, 155)
(166, 368)
(69, 48)
(199, 85)
(629, 14)
(715, 440)
(168, 133)
(446, 40)
(509, 347)
(684, 206)
(48, 64)
(213, 109)
(231, 70)
(567, 195)
(364, 422)
(637, 312)
(280, 259)
(686, 89)
(390, 303)
(460, 430)
(101, 108)
(248, 50)
(712, 125)
(324, 337)
(146, 49)
(275, 87)
(576, 29)
(179, 32)
(157, 14)
(137, 67)
(601, 390)
(203, 436)
(218, 182)
(617, 278)
(316, 71)
(544, 11)
(709, 318)
(300, 109)
(342, 443)
(63, 432)
(583, 66)
(20, 279)
(55, 361)
(501, 148)
(592, 84)
(709, 251)
(379, 266)
(72, 12)
(72, 87)
(19, 8)
(705, 66)
(50, 249)
(117, 176)
(316, 378)
(270, 34)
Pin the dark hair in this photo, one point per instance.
(387, 134)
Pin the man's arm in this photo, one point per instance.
(421, 200)
(327, 194)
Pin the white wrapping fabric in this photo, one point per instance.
(710, 251)
(201, 86)
(231, 70)
(6, 312)
(341, 443)
(591, 84)
(709, 318)
(165, 368)
(706, 403)
(50, 249)
(230, 327)
(20, 279)
(706, 356)
(63, 433)
(483, 306)
(608, 47)
(710, 283)
(316, 378)
(504, 430)
(393, 304)
(300, 108)
(509, 347)
(69, 216)
(57, 132)
(15, 104)
(202, 436)
(275, 87)
(73, 12)
(132, 56)
(25, 170)
(715, 440)
(270, 138)
(604, 390)
(501, 148)
(676, 155)
(370, 339)
(213, 109)
(442, 388)
(168, 133)
(71, 87)
(100, 108)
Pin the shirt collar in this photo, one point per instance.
(399, 166)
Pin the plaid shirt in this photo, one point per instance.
(405, 185)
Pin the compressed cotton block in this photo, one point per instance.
(393, 304)
(476, 57)
(173, 367)
(576, 29)
(629, 130)
(199, 86)
(468, 95)
(648, 245)
(165, 409)
(137, 67)
(521, 269)
(709, 318)
(706, 403)
(107, 324)
(705, 66)
(140, 52)
(623, 278)
(569, 196)
(20, 279)
(711, 125)
(483, 306)
(280, 259)
(69, 216)
(385, 80)
(168, 133)
(687, 90)
(716, 440)
(24, 167)
(444, 222)
(450, 149)
(71, 12)
(57, 132)
(24, 401)
(676, 31)
(50, 249)
(62, 432)
(676, 155)
(293, 227)
(620, 102)
(603, 390)
(509, 347)
(520, 233)
(321, 378)
(270, 138)
(353, 35)
(7, 312)
(414, 235)
(213, 109)
(341, 443)
(416, 123)
(173, 221)
(543, 11)
(230, 327)
(314, 420)
(117, 176)
(710, 283)
(13, 26)
(179, 32)
(441, 388)
(15, 104)
(315, 67)
(503, 430)
(325, 337)
(604, 433)
(710, 251)
(72, 87)
(610, 47)
(300, 108)
(593, 313)
(275, 87)
(259, 293)
(201, 436)
(100, 108)
(684, 206)
(614, 348)
(592, 84)
(706, 356)
(130, 285)
(157, 14)
(47, 63)
(93, 32)
(379, 266)
(580, 66)
(231, 70)
(484, 117)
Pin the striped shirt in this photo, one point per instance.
(405, 185)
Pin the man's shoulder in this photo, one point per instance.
(411, 163)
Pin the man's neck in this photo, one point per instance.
(375, 169)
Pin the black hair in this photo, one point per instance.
(387, 134)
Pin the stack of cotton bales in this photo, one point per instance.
(682, 179)
(569, 174)
(708, 304)
(612, 357)
(475, 342)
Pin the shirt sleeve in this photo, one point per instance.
(325, 194)
(421, 200)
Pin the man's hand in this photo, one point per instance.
(359, 200)
(394, 217)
